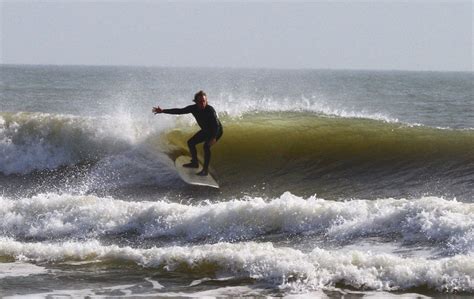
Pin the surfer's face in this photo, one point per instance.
(202, 102)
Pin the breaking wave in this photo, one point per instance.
(288, 269)
(279, 149)
(446, 225)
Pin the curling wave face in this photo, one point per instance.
(273, 151)
(317, 153)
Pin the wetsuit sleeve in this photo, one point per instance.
(214, 124)
(185, 110)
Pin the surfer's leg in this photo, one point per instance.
(207, 159)
(197, 138)
(207, 154)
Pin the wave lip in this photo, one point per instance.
(446, 225)
(239, 107)
(285, 268)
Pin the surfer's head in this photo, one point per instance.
(200, 98)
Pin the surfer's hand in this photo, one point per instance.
(212, 141)
(157, 110)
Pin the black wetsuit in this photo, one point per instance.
(210, 125)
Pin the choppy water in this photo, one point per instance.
(332, 183)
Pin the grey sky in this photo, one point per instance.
(337, 35)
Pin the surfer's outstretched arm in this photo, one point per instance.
(184, 110)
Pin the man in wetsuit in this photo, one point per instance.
(211, 129)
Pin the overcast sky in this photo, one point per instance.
(402, 35)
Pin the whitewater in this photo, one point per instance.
(333, 183)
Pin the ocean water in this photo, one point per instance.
(333, 184)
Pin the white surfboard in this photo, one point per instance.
(189, 174)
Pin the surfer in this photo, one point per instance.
(211, 129)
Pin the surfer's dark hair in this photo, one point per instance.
(199, 94)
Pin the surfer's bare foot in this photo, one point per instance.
(202, 173)
(191, 165)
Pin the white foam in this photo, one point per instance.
(156, 285)
(19, 269)
(199, 281)
(446, 224)
(81, 293)
(39, 141)
(289, 269)
(228, 292)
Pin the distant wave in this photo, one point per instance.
(289, 269)
(447, 225)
